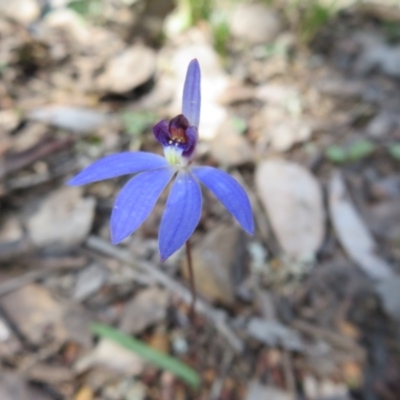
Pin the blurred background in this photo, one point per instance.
(300, 103)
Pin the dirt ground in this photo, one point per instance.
(306, 119)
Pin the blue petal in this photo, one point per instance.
(230, 194)
(191, 94)
(136, 200)
(117, 165)
(181, 215)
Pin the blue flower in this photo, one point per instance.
(182, 213)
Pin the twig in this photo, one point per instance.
(192, 313)
(288, 372)
(25, 279)
(33, 154)
(335, 339)
(216, 316)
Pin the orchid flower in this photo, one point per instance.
(153, 172)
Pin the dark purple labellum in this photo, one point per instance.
(177, 133)
(177, 129)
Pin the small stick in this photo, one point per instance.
(216, 316)
(192, 312)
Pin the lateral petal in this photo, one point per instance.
(191, 100)
(182, 214)
(136, 200)
(118, 164)
(229, 192)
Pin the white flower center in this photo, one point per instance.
(174, 156)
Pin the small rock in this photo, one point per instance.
(64, 218)
(73, 119)
(23, 11)
(256, 391)
(110, 354)
(255, 23)
(273, 333)
(229, 147)
(215, 259)
(144, 310)
(292, 198)
(9, 119)
(128, 70)
(89, 281)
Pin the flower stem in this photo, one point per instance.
(192, 312)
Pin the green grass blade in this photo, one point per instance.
(155, 357)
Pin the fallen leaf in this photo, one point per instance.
(49, 374)
(229, 147)
(292, 198)
(84, 393)
(63, 218)
(147, 308)
(70, 118)
(89, 281)
(39, 317)
(14, 387)
(110, 354)
(128, 70)
(352, 232)
(35, 313)
(273, 333)
(255, 23)
(284, 134)
(23, 11)
(214, 260)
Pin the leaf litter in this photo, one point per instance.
(312, 133)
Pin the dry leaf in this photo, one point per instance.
(352, 232)
(292, 198)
